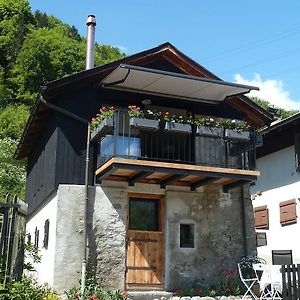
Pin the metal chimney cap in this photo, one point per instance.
(91, 20)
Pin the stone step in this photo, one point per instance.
(159, 295)
(149, 295)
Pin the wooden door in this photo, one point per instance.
(144, 265)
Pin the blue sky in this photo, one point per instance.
(254, 42)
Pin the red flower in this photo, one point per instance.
(94, 297)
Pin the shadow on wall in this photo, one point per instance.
(277, 170)
(106, 235)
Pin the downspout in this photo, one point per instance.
(86, 181)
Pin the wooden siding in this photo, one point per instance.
(41, 167)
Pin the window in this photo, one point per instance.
(29, 239)
(297, 152)
(288, 212)
(261, 216)
(36, 237)
(261, 239)
(46, 234)
(187, 233)
(144, 214)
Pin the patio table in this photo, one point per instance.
(271, 276)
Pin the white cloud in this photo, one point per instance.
(271, 90)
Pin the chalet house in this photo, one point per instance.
(167, 206)
(276, 193)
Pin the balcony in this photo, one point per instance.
(156, 154)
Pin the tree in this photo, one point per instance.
(15, 21)
(34, 49)
(281, 113)
(12, 121)
(47, 54)
(12, 172)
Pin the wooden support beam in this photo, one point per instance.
(104, 173)
(233, 185)
(203, 182)
(137, 177)
(171, 179)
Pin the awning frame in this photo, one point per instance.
(132, 68)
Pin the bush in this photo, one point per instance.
(93, 291)
(28, 289)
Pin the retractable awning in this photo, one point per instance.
(163, 83)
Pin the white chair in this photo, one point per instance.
(263, 274)
(248, 283)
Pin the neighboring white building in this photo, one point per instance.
(276, 193)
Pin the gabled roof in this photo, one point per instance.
(165, 52)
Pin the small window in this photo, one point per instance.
(29, 239)
(288, 212)
(187, 233)
(297, 152)
(144, 214)
(261, 239)
(261, 216)
(46, 234)
(36, 237)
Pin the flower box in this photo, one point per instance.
(104, 127)
(178, 127)
(144, 124)
(231, 134)
(208, 131)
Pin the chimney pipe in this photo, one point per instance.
(90, 43)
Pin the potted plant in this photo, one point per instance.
(139, 120)
(175, 124)
(246, 265)
(208, 127)
(236, 130)
(103, 122)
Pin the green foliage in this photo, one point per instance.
(47, 54)
(12, 121)
(93, 291)
(34, 49)
(105, 54)
(45, 21)
(280, 113)
(31, 256)
(12, 172)
(15, 22)
(28, 289)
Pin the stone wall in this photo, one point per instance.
(217, 218)
(69, 238)
(219, 238)
(107, 235)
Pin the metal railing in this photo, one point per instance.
(124, 140)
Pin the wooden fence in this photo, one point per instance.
(12, 235)
(290, 282)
